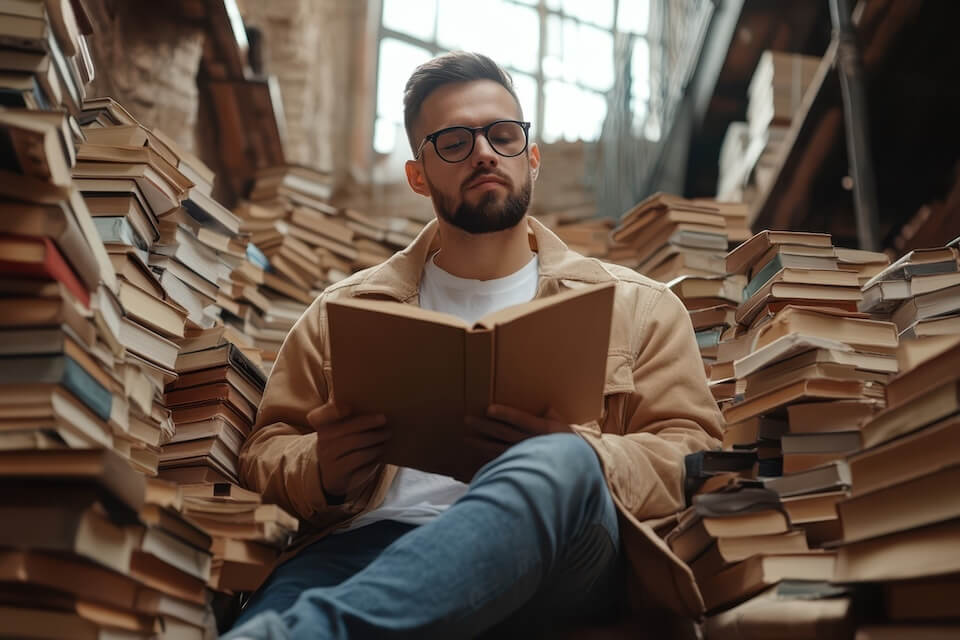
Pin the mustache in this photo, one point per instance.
(481, 172)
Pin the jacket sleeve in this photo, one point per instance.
(671, 412)
(279, 458)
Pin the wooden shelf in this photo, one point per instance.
(816, 134)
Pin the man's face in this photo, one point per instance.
(486, 192)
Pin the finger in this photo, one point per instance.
(363, 440)
(359, 458)
(518, 418)
(496, 431)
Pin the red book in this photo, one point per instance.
(39, 258)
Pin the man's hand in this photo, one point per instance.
(505, 426)
(349, 448)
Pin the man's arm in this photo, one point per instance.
(670, 414)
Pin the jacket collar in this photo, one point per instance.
(399, 276)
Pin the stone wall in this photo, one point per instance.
(147, 58)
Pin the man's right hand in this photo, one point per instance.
(349, 448)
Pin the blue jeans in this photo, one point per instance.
(533, 544)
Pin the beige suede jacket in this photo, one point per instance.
(657, 409)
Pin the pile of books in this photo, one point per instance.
(802, 370)
(901, 518)
(247, 535)
(684, 243)
(665, 235)
(786, 270)
(920, 292)
(750, 151)
(307, 245)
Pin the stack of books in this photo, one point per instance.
(920, 293)
(901, 521)
(214, 402)
(738, 540)
(247, 535)
(775, 95)
(98, 549)
(665, 233)
(307, 245)
(684, 243)
(589, 237)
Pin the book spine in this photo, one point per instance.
(763, 276)
(478, 375)
(93, 394)
(53, 267)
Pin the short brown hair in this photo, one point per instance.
(449, 68)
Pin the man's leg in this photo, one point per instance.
(538, 513)
(325, 563)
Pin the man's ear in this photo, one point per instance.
(416, 179)
(534, 160)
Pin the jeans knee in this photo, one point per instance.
(565, 457)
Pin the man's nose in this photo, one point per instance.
(483, 153)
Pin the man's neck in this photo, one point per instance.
(483, 256)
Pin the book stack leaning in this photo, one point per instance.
(114, 259)
(804, 369)
(81, 421)
(684, 243)
(307, 244)
(180, 263)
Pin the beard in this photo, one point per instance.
(489, 214)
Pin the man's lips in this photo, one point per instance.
(486, 180)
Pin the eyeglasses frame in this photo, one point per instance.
(432, 137)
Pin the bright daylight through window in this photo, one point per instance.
(564, 56)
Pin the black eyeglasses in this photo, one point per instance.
(507, 138)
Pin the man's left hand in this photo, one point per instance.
(505, 426)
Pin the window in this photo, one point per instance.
(565, 57)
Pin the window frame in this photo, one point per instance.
(620, 59)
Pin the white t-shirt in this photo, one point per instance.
(416, 497)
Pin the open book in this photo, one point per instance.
(427, 370)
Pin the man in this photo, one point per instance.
(551, 530)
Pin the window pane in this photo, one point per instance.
(578, 53)
(526, 88)
(384, 135)
(415, 17)
(598, 12)
(634, 16)
(640, 69)
(572, 113)
(397, 61)
(507, 32)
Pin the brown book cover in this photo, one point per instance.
(917, 553)
(426, 370)
(813, 507)
(761, 571)
(727, 551)
(934, 405)
(908, 457)
(748, 253)
(689, 541)
(914, 503)
(801, 390)
(204, 394)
